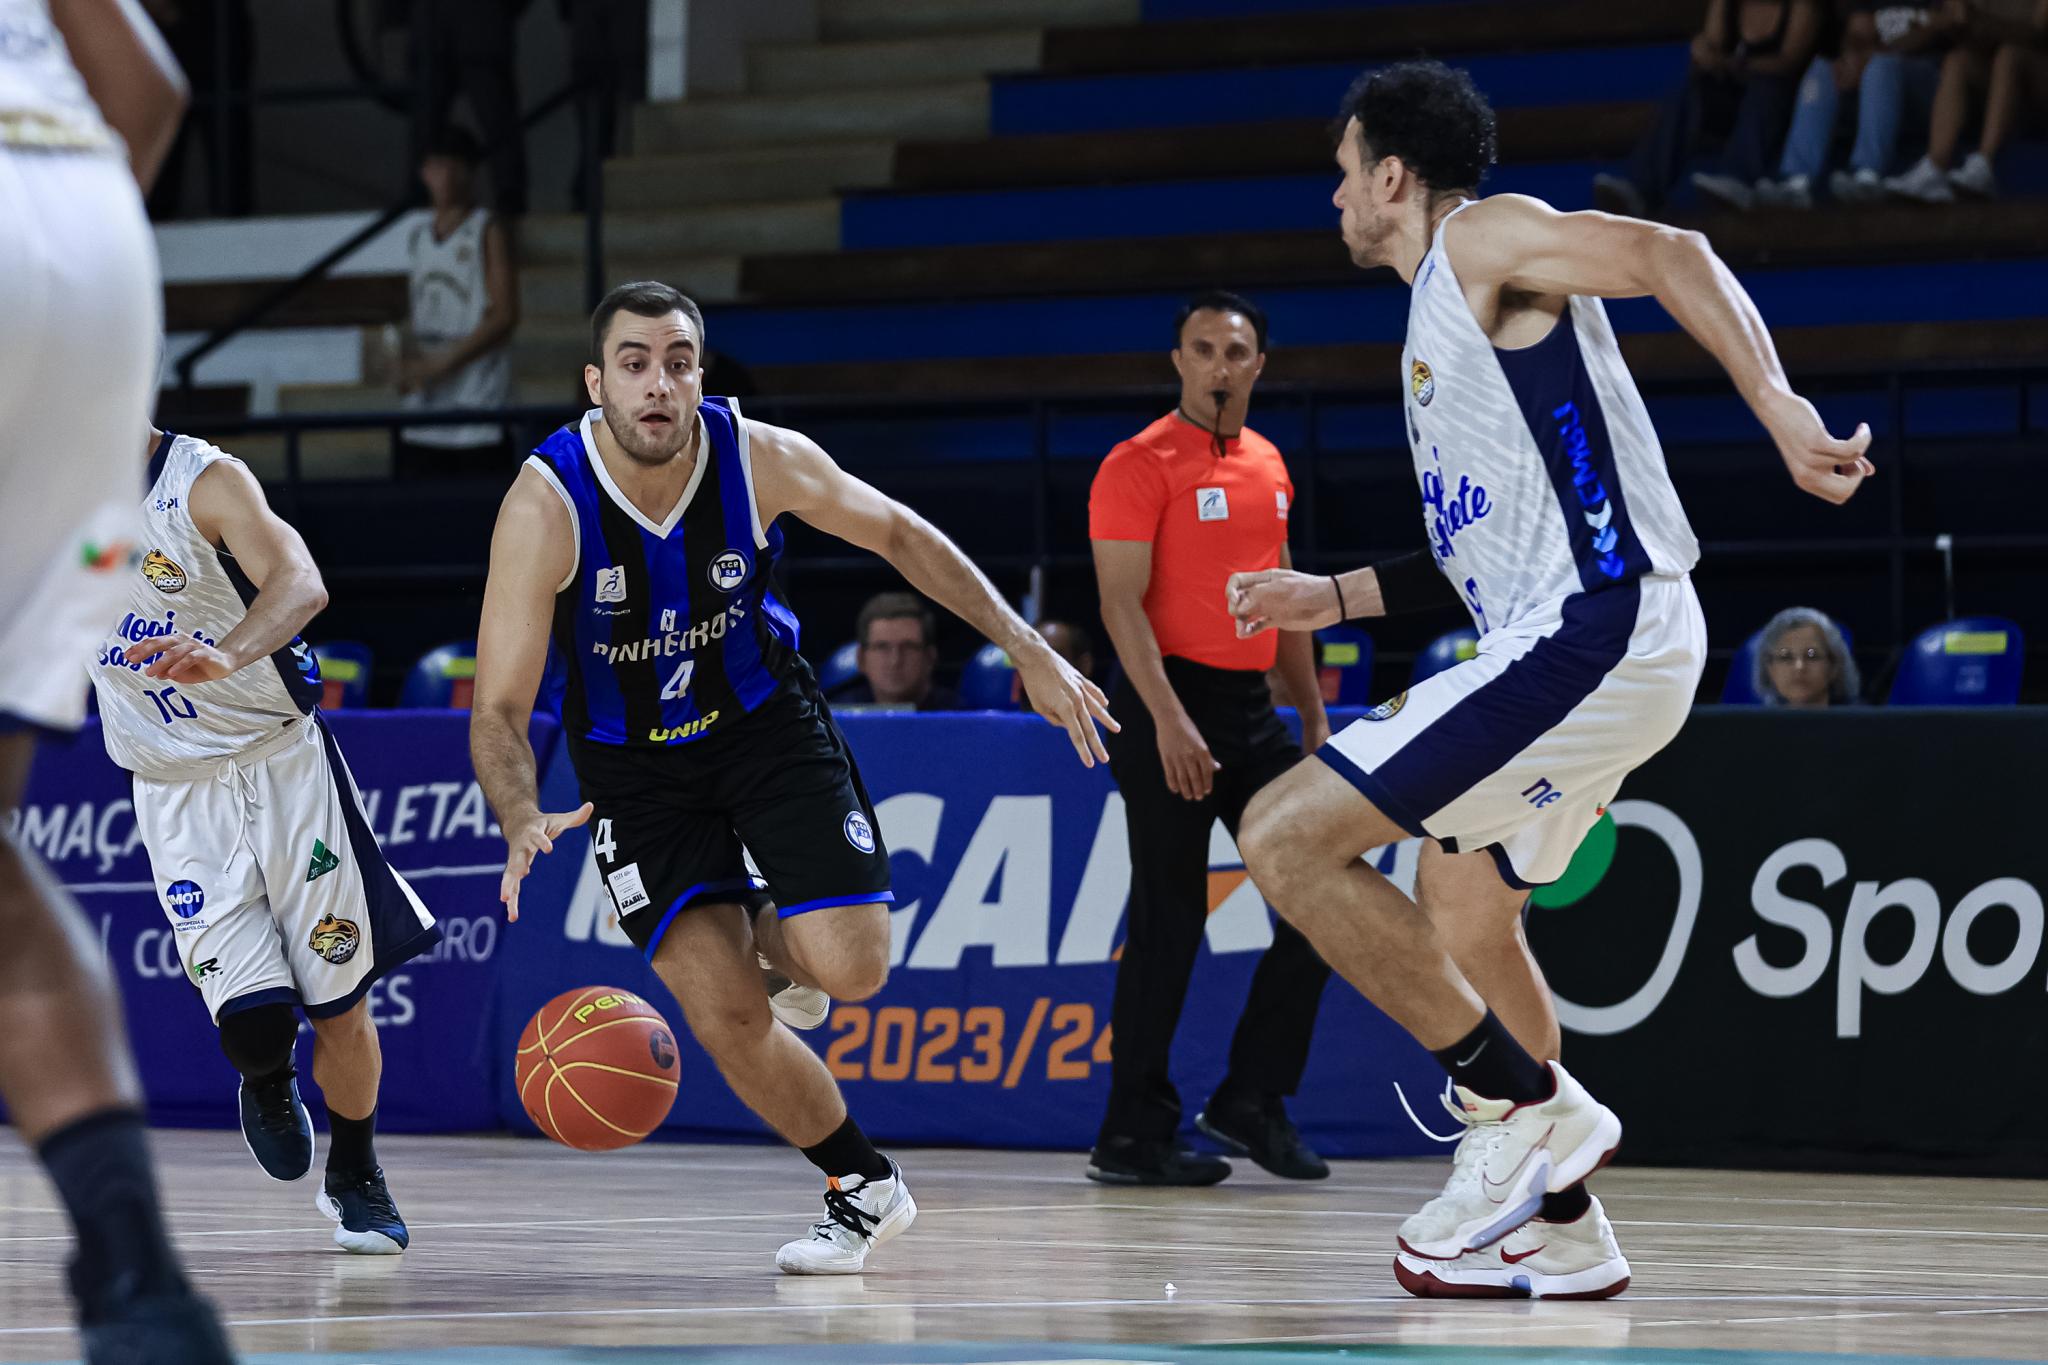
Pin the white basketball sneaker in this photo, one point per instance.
(1510, 1157)
(1538, 1260)
(860, 1215)
(798, 1007)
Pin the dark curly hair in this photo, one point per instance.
(1428, 114)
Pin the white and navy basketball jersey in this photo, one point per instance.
(1541, 474)
(37, 78)
(450, 292)
(185, 586)
(664, 630)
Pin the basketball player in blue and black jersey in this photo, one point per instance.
(641, 542)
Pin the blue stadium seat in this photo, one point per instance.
(344, 673)
(839, 668)
(443, 677)
(1740, 688)
(1972, 661)
(1344, 666)
(989, 682)
(1452, 647)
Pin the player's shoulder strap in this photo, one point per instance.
(731, 436)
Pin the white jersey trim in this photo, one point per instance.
(540, 466)
(745, 441)
(604, 479)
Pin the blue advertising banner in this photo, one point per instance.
(434, 1014)
(1011, 874)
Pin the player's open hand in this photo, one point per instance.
(1280, 599)
(179, 658)
(1058, 692)
(1822, 465)
(534, 836)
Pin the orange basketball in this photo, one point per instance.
(597, 1068)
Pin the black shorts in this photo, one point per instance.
(670, 822)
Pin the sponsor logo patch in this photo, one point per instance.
(184, 899)
(1387, 710)
(859, 832)
(163, 572)
(336, 940)
(729, 570)
(611, 584)
(324, 861)
(1212, 504)
(628, 892)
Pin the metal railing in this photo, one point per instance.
(1896, 547)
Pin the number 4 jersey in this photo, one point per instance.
(184, 585)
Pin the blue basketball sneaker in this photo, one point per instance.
(277, 1127)
(362, 1206)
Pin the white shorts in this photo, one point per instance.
(1519, 749)
(80, 314)
(274, 886)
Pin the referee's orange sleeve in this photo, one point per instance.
(1127, 496)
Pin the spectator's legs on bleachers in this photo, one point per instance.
(1760, 120)
(1705, 103)
(1813, 124)
(1963, 73)
(2019, 77)
(1894, 86)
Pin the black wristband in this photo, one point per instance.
(1342, 615)
(1412, 582)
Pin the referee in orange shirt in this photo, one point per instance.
(1174, 511)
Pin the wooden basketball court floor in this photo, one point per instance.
(527, 1254)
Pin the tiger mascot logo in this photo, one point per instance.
(163, 572)
(336, 940)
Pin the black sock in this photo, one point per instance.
(351, 1144)
(848, 1152)
(1566, 1206)
(100, 1166)
(1488, 1061)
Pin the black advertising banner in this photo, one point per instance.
(1815, 940)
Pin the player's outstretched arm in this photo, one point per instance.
(531, 556)
(229, 509)
(1513, 242)
(792, 474)
(130, 74)
(1281, 599)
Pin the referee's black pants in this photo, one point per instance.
(1169, 906)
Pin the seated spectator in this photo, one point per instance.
(465, 306)
(1071, 643)
(2001, 62)
(1803, 662)
(897, 655)
(1891, 60)
(1746, 64)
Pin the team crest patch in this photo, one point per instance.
(1387, 710)
(859, 832)
(336, 940)
(163, 572)
(729, 570)
(1421, 383)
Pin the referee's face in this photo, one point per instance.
(649, 388)
(1218, 355)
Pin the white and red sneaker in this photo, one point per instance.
(1539, 1260)
(1510, 1157)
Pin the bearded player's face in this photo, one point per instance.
(650, 385)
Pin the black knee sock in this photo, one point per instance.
(1488, 1061)
(351, 1144)
(1566, 1206)
(848, 1152)
(100, 1166)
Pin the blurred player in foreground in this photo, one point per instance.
(80, 308)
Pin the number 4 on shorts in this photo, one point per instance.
(604, 845)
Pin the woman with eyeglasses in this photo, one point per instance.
(1804, 662)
